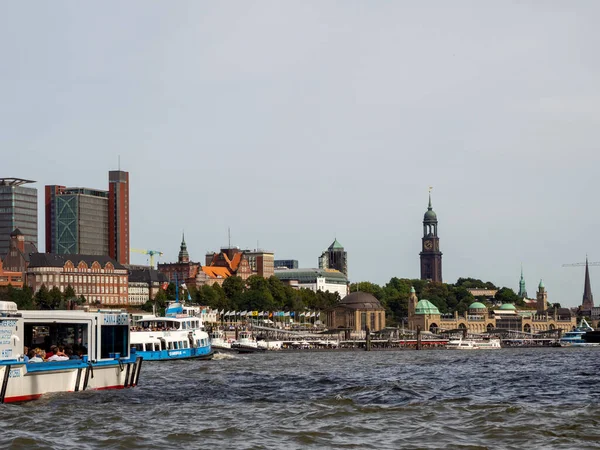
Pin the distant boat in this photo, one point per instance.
(175, 336)
(246, 343)
(576, 338)
(473, 344)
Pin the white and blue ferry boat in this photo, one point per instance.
(175, 336)
(103, 337)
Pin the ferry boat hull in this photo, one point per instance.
(186, 353)
(102, 339)
(29, 381)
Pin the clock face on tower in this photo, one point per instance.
(428, 245)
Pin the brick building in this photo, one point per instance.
(100, 279)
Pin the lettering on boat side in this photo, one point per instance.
(114, 319)
(7, 328)
(175, 353)
(14, 373)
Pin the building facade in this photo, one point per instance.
(76, 221)
(478, 319)
(144, 284)
(10, 278)
(431, 256)
(18, 209)
(286, 264)
(183, 270)
(325, 280)
(335, 257)
(118, 216)
(100, 279)
(89, 221)
(356, 312)
(17, 258)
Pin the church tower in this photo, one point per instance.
(542, 298)
(588, 298)
(431, 257)
(522, 288)
(184, 256)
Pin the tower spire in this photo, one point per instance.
(588, 298)
(429, 207)
(522, 288)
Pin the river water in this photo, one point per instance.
(510, 398)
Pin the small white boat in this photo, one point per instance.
(461, 344)
(219, 343)
(474, 344)
(245, 343)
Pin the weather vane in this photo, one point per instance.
(430, 188)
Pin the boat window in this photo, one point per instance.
(185, 344)
(149, 347)
(138, 347)
(45, 335)
(163, 344)
(114, 339)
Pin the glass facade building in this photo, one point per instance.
(18, 209)
(76, 221)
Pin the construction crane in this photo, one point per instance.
(595, 263)
(150, 253)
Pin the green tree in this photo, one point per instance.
(42, 298)
(234, 288)
(257, 297)
(56, 299)
(69, 293)
(279, 292)
(171, 291)
(368, 287)
(506, 295)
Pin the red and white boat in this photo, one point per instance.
(103, 337)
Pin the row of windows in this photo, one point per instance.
(81, 279)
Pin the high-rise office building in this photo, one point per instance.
(89, 221)
(118, 215)
(76, 221)
(18, 209)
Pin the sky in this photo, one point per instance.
(295, 123)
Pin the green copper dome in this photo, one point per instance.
(426, 307)
(412, 290)
(508, 307)
(477, 305)
(430, 215)
(541, 284)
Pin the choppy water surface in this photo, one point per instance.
(509, 398)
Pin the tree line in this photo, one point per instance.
(254, 294)
(44, 298)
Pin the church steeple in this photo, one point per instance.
(522, 288)
(184, 256)
(431, 257)
(588, 298)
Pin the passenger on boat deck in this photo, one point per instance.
(69, 352)
(59, 355)
(52, 352)
(33, 357)
(25, 352)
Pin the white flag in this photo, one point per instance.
(183, 286)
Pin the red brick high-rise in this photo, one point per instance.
(118, 216)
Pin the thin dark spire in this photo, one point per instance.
(588, 298)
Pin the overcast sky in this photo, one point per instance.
(297, 122)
